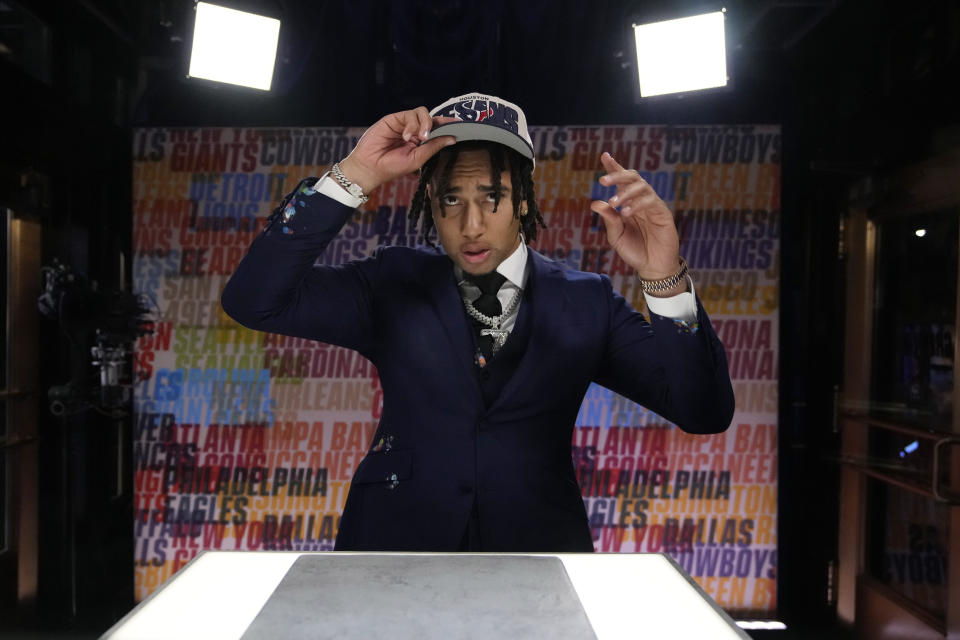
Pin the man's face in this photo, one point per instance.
(476, 237)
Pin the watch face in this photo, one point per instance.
(355, 190)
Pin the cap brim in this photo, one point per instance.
(464, 131)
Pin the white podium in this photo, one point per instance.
(276, 595)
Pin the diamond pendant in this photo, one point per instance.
(499, 337)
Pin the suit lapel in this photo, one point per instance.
(548, 299)
(445, 296)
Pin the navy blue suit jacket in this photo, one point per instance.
(401, 309)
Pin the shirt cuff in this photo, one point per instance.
(682, 307)
(331, 188)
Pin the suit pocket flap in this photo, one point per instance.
(389, 466)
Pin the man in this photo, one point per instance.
(484, 351)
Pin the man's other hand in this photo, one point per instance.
(392, 148)
(642, 232)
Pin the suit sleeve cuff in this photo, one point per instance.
(681, 307)
(330, 188)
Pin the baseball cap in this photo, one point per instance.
(484, 117)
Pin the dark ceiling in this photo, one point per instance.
(853, 78)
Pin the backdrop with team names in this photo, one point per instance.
(248, 441)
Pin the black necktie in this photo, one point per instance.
(487, 304)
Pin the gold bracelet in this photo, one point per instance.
(665, 284)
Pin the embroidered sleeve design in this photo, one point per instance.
(294, 200)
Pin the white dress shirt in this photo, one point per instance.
(514, 269)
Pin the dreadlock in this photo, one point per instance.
(501, 157)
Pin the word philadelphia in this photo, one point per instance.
(664, 484)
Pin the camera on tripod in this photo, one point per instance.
(114, 318)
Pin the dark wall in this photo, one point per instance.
(64, 160)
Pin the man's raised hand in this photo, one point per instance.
(642, 232)
(392, 148)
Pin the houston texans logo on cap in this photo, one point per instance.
(468, 110)
(484, 117)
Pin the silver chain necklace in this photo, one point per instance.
(493, 322)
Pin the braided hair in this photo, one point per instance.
(501, 157)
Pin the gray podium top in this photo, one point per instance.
(276, 595)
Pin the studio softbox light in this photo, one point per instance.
(686, 54)
(233, 46)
